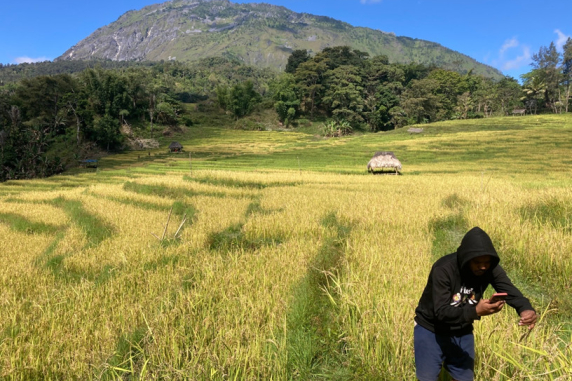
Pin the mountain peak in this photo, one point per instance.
(254, 33)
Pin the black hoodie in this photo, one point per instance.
(448, 304)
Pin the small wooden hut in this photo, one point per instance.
(175, 147)
(88, 163)
(382, 160)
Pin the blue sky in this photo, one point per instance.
(501, 33)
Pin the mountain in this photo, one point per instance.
(256, 34)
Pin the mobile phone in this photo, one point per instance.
(498, 297)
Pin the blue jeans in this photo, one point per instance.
(455, 353)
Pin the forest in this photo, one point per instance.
(54, 113)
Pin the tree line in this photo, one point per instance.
(547, 86)
(42, 116)
(349, 88)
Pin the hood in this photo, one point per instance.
(476, 243)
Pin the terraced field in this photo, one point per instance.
(292, 262)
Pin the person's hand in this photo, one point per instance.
(485, 307)
(528, 318)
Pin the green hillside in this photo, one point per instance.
(256, 34)
(501, 146)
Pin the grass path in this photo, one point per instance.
(316, 344)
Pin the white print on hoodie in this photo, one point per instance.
(465, 295)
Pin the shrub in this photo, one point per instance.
(248, 125)
(337, 128)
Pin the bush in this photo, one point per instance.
(106, 132)
(337, 128)
(248, 125)
(187, 121)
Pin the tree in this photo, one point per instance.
(107, 132)
(507, 93)
(41, 101)
(76, 101)
(420, 102)
(545, 64)
(465, 104)
(135, 90)
(383, 86)
(338, 56)
(285, 97)
(534, 89)
(309, 77)
(567, 71)
(296, 58)
(451, 85)
(343, 97)
(413, 71)
(166, 113)
(239, 99)
(153, 91)
(482, 95)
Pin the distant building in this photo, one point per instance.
(175, 147)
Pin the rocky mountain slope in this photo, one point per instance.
(256, 34)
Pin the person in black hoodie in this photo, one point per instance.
(452, 300)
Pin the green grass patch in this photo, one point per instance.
(162, 261)
(552, 212)
(168, 192)
(128, 356)
(47, 254)
(231, 238)
(315, 344)
(21, 224)
(181, 208)
(447, 234)
(132, 202)
(255, 208)
(55, 264)
(234, 183)
(94, 228)
(72, 275)
(188, 214)
(14, 200)
(454, 202)
(234, 238)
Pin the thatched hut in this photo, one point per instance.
(414, 130)
(383, 160)
(175, 147)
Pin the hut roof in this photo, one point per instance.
(384, 153)
(174, 145)
(414, 130)
(384, 159)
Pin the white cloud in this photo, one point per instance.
(369, 1)
(519, 61)
(512, 55)
(27, 59)
(561, 39)
(512, 43)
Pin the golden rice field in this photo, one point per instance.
(292, 264)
